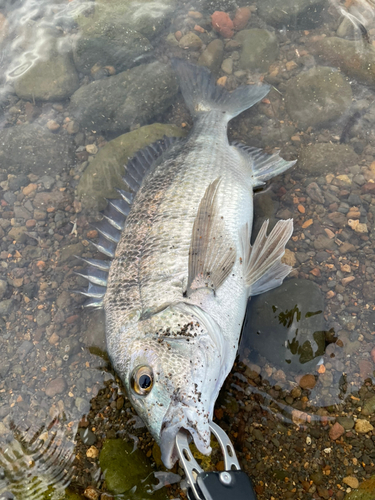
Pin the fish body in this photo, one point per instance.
(183, 268)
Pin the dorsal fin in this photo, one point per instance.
(114, 218)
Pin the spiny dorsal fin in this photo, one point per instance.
(211, 253)
(264, 166)
(263, 269)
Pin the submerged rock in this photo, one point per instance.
(121, 101)
(51, 79)
(321, 158)
(33, 149)
(109, 44)
(125, 468)
(212, 56)
(295, 14)
(259, 49)
(317, 96)
(353, 58)
(104, 173)
(286, 325)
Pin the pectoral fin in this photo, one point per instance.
(263, 269)
(211, 254)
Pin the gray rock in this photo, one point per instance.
(324, 243)
(52, 79)
(56, 386)
(82, 405)
(104, 173)
(212, 55)
(132, 97)
(315, 193)
(344, 54)
(47, 181)
(291, 13)
(259, 49)
(227, 66)
(68, 253)
(5, 307)
(322, 158)
(109, 44)
(317, 96)
(43, 318)
(24, 349)
(32, 148)
(286, 325)
(3, 288)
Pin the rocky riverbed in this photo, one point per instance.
(84, 86)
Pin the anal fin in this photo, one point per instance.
(211, 254)
(263, 269)
(264, 166)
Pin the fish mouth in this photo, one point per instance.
(188, 420)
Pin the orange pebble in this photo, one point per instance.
(301, 209)
(199, 29)
(93, 233)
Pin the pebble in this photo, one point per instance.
(227, 66)
(307, 381)
(363, 426)
(91, 493)
(92, 149)
(336, 431)
(53, 126)
(29, 189)
(351, 481)
(92, 452)
(56, 386)
(190, 41)
(222, 23)
(241, 18)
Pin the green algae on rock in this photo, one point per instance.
(128, 470)
(317, 96)
(259, 49)
(104, 173)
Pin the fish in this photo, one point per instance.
(182, 267)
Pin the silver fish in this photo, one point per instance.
(183, 268)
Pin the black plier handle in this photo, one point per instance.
(214, 485)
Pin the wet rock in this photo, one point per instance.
(344, 54)
(43, 318)
(369, 290)
(56, 386)
(351, 481)
(212, 56)
(307, 381)
(365, 491)
(82, 405)
(3, 288)
(103, 43)
(369, 406)
(317, 96)
(121, 101)
(363, 426)
(336, 431)
(146, 17)
(52, 79)
(241, 18)
(227, 66)
(32, 148)
(24, 349)
(320, 158)
(259, 49)
(68, 252)
(222, 23)
(291, 13)
(94, 334)
(190, 41)
(50, 199)
(315, 193)
(286, 325)
(104, 173)
(18, 234)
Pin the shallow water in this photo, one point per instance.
(308, 362)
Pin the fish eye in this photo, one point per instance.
(142, 380)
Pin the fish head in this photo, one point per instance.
(173, 376)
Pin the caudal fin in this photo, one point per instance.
(201, 94)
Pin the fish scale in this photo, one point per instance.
(183, 268)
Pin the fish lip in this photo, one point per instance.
(169, 431)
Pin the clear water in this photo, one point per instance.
(53, 366)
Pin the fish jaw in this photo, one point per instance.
(194, 421)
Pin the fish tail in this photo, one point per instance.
(202, 95)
